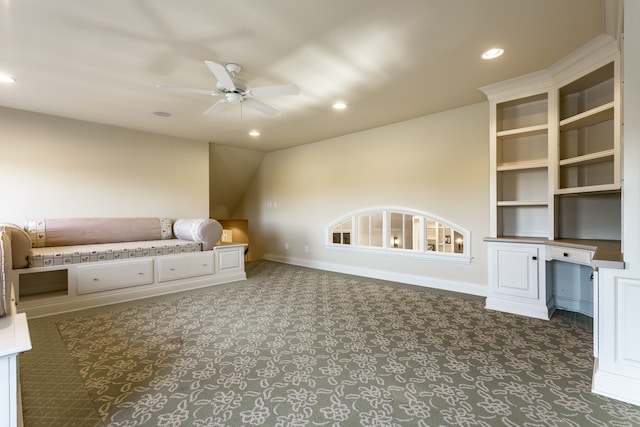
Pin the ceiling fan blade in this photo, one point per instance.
(218, 106)
(221, 74)
(261, 106)
(279, 90)
(211, 92)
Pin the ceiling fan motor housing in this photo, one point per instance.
(233, 68)
(240, 87)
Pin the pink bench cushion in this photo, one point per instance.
(87, 231)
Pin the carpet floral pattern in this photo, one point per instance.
(299, 347)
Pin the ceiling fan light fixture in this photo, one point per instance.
(233, 98)
(493, 53)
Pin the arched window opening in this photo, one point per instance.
(400, 231)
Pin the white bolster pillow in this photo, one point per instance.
(205, 230)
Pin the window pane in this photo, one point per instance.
(363, 230)
(395, 230)
(459, 243)
(346, 232)
(376, 230)
(335, 234)
(432, 235)
(408, 232)
(341, 233)
(417, 232)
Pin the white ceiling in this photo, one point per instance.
(390, 61)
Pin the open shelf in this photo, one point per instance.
(539, 164)
(589, 215)
(591, 117)
(585, 172)
(524, 203)
(43, 284)
(518, 185)
(587, 94)
(526, 131)
(43, 296)
(522, 148)
(522, 115)
(523, 220)
(602, 156)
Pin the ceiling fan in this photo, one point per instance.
(236, 91)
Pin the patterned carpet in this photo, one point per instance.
(299, 347)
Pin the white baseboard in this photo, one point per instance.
(537, 311)
(615, 386)
(411, 279)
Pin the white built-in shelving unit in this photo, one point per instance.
(555, 149)
(555, 180)
(521, 166)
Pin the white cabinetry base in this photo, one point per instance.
(517, 280)
(14, 339)
(95, 284)
(619, 387)
(539, 311)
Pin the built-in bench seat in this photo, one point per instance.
(58, 265)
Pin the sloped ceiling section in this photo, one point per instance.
(230, 171)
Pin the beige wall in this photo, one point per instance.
(55, 167)
(438, 164)
(230, 171)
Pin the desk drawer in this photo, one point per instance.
(577, 256)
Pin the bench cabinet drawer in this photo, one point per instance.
(577, 256)
(97, 278)
(182, 266)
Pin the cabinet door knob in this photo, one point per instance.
(565, 254)
(535, 258)
(140, 274)
(172, 269)
(95, 279)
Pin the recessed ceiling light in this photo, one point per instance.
(6, 79)
(492, 53)
(339, 105)
(161, 114)
(254, 133)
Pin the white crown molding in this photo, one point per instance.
(590, 56)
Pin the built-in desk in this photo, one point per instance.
(605, 253)
(521, 283)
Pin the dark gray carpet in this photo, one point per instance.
(299, 347)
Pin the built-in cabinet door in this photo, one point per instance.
(516, 270)
(517, 280)
(229, 259)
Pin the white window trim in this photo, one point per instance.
(419, 253)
